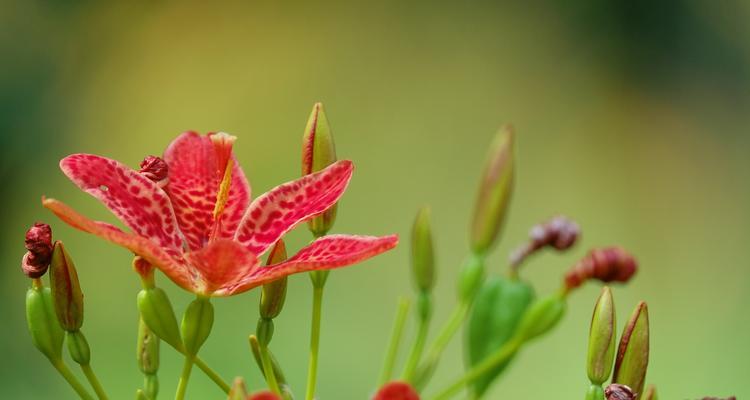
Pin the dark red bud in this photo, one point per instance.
(154, 168)
(559, 232)
(39, 245)
(396, 391)
(609, 264)
(619, 392)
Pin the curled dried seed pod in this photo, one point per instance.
(560, 233)
(619, 392)
(155, 169)
(608, 264)
(38, 243)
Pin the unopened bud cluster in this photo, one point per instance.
(155, 169)
(39, 250)
(560, 233)
(609, 264)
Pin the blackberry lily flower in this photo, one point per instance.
(201, 229)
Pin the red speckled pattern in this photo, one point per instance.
(137, 201)
(223, 262)
(168, 261)
(279, 210)
(328, 252)
(194, 177)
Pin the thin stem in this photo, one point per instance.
(268, 372)
(416, 351)
(312, 371)
(94, 381)
(438, 346)
(184, 377)
(476, 372)
(393, 344)
(211, 374)
(66, 373)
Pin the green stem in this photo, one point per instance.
(268, 372)
(312, 371)
(395, 340)
(416, 351)
(211, 374)
(94, 381)
(66, 373)
(476, 372)
(184, 377)
(424, 373)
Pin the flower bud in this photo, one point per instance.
(470, 278)
(650, 393)
(78, 347)
(559, 233)
(273, 295)
(38, 244)
(422, 254)
(494, 192)
(609, 264)
(238, 390)
(196, 324)
(264, 331)
(541, 317)
(318, 152)
(602, 339)
(632, 355)
(619, 392)
(155, 169)
(158, 314)
(45, 331)
(396, 391)
(66, 290)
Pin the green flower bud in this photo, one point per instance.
(264, 331)
(44, 328)
(422, 254)
(238, 390)
(196, 324)
(471, 278)
(632, 355)
(602, 338)
(273, 294)
(78, 347)
(66, 290)
(318, 152)
(494, 192)
(650, 393)
(157, 313)
(147, 349)
(541, 317)
(495, 314)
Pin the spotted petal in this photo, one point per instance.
(222, 263)
(137, 201)
(195, 173)
(328, 252)
(279, 210)
(167, 260)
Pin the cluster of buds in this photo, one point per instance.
(38, 250)
(609, 264)
(155, 169)
(560, 233)
(616, 391)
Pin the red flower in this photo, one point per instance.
(201, 229)
(396, 391)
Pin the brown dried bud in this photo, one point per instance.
(155, 169)
(560, 233)
(609, 264)
(619, 392)
(39, 245)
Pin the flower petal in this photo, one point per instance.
(328, 252)
(194, 178)
(279, 210)
(221, 263)
(137, 201)
(167, 260)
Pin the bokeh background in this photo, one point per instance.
(632, 118)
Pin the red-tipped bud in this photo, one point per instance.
(560, 233)
(396, 391)
(318, 152)
(631, 362)
(609, 264)
(66, 290)
(39, 250)
(619, 392)
(155, 169)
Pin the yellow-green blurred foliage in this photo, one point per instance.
(632, 119)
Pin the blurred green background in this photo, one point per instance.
(632, 118)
